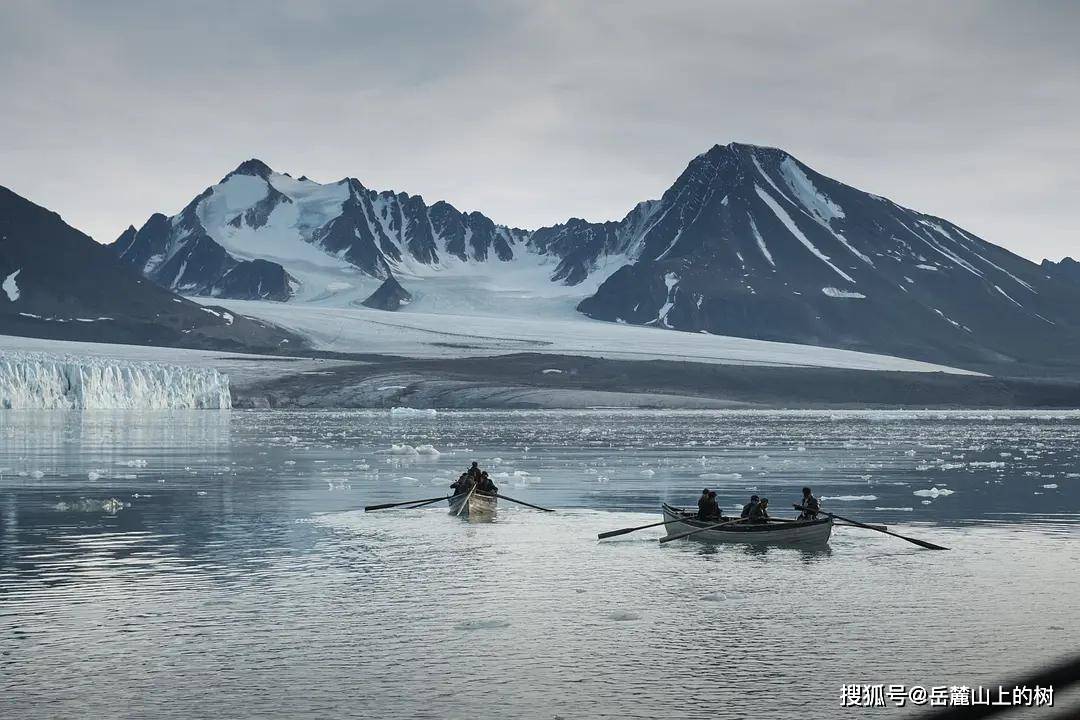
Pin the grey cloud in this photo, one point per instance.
(535, 111)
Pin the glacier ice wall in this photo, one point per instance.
(48, 381)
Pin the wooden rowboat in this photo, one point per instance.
(473, 506)
(808, 533)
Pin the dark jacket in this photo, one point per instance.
(812, 506)
(703, 507)
(758, 513)
(747, 509)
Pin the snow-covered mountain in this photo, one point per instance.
(56, 282)
(748, 242)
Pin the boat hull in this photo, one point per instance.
(474, 506)
(811, 533)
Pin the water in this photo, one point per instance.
(215, 564)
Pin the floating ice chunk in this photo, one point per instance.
(1050, 486)
(112, 505)
(934, 492)
(200, 492)
(11, 287)
(552, 371)
(37, 474)
(648, 473)
(850, 498)
(413, 412)
(132, 463)
(428, 450)
(402, 450)
(720, 476)
(93, 475)
(838, 293)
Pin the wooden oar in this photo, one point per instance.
(428, 502)
(624, 531)
(845, 524)
(465, 502)
(920, 543)
(521, 502)
(384, 506)
(680, 536)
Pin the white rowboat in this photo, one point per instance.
(808, 533)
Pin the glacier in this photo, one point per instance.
(30, 380)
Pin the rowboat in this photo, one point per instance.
(473, 506)
(806, 533)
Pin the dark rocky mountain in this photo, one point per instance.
(389, 296)
(58, 283)
(751, 242)
(748, 242)
(1067, 269)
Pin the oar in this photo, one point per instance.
(624, 531)
(428, 502)
(786, 520)
(680, 536)
(384, 506)
(521, 502)
(920, 543)
(465, 502)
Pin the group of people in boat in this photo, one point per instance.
(755, 511)
(474, 480)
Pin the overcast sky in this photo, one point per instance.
(533, 112)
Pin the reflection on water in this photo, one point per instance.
(207, 564)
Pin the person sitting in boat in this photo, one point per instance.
(749, 507)
(463, 484)
(485, 485)
(714, 507)
(811, 504)
(760, 513)
(703, 505)
(474, 471)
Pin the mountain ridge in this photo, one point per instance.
(748, 241)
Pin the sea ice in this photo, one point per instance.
(933, 492)
(413, 412)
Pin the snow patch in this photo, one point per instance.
(784, 218)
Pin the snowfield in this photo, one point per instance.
(553, 328)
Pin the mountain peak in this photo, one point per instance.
(254, 167)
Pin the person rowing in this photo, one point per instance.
(463, 484)
(749, 507)
(485, 485)
(811, 504)
(760, 513)
(703, 505)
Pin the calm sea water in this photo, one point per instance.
(206, 564)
